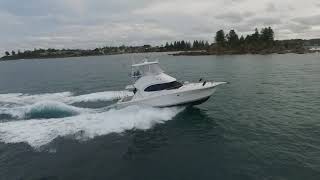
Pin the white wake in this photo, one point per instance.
(42, 109)
(65, 97)
(40, 132)
(39, 119)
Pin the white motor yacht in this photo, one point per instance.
(152, 87)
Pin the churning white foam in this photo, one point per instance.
(25, 106)
(40, 132)
(43, 109)
(19, 99)
(100, 96)
(40, 118)
(25, 99)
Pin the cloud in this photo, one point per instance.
(264, 21)
(296, 27)
(90, 23)
(232, 17)
(270, 7)
(309, 20)
(176, 7)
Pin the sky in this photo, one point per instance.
(28, 24)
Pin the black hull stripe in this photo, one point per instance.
(192, 103)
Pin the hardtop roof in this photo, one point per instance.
(145, 63)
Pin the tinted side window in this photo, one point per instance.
(164, 86)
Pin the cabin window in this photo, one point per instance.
(164, 86)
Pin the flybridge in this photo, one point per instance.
(146, 68)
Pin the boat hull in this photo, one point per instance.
(187, 96)
(192, 103)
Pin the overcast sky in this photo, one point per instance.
(28, 24)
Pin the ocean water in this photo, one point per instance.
(55, 122)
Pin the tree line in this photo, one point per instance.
(259, 40)
(185, 45)
(172, 46)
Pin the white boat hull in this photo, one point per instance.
(190, 94)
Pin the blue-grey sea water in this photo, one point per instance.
(264, 124)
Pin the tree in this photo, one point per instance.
(171, 46)
(13, 53)
(233, 39)
(241, 40)
(202, 44)
(271, 34)
(267, 36)
(207, 45)
(188, 45)
(248, 39)
(195, 44)
(167, 45)
(7, 53)
(175, 45)
(182, 45)
(220, 38)
(256, 35)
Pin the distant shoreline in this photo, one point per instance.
(4, 58)
(260, 42)
(181, 53)
(208, 53)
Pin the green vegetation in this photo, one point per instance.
(185, 46)
(255, 42)
(59, 53)
(108, 50)
(259, 42)
(220, 39)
